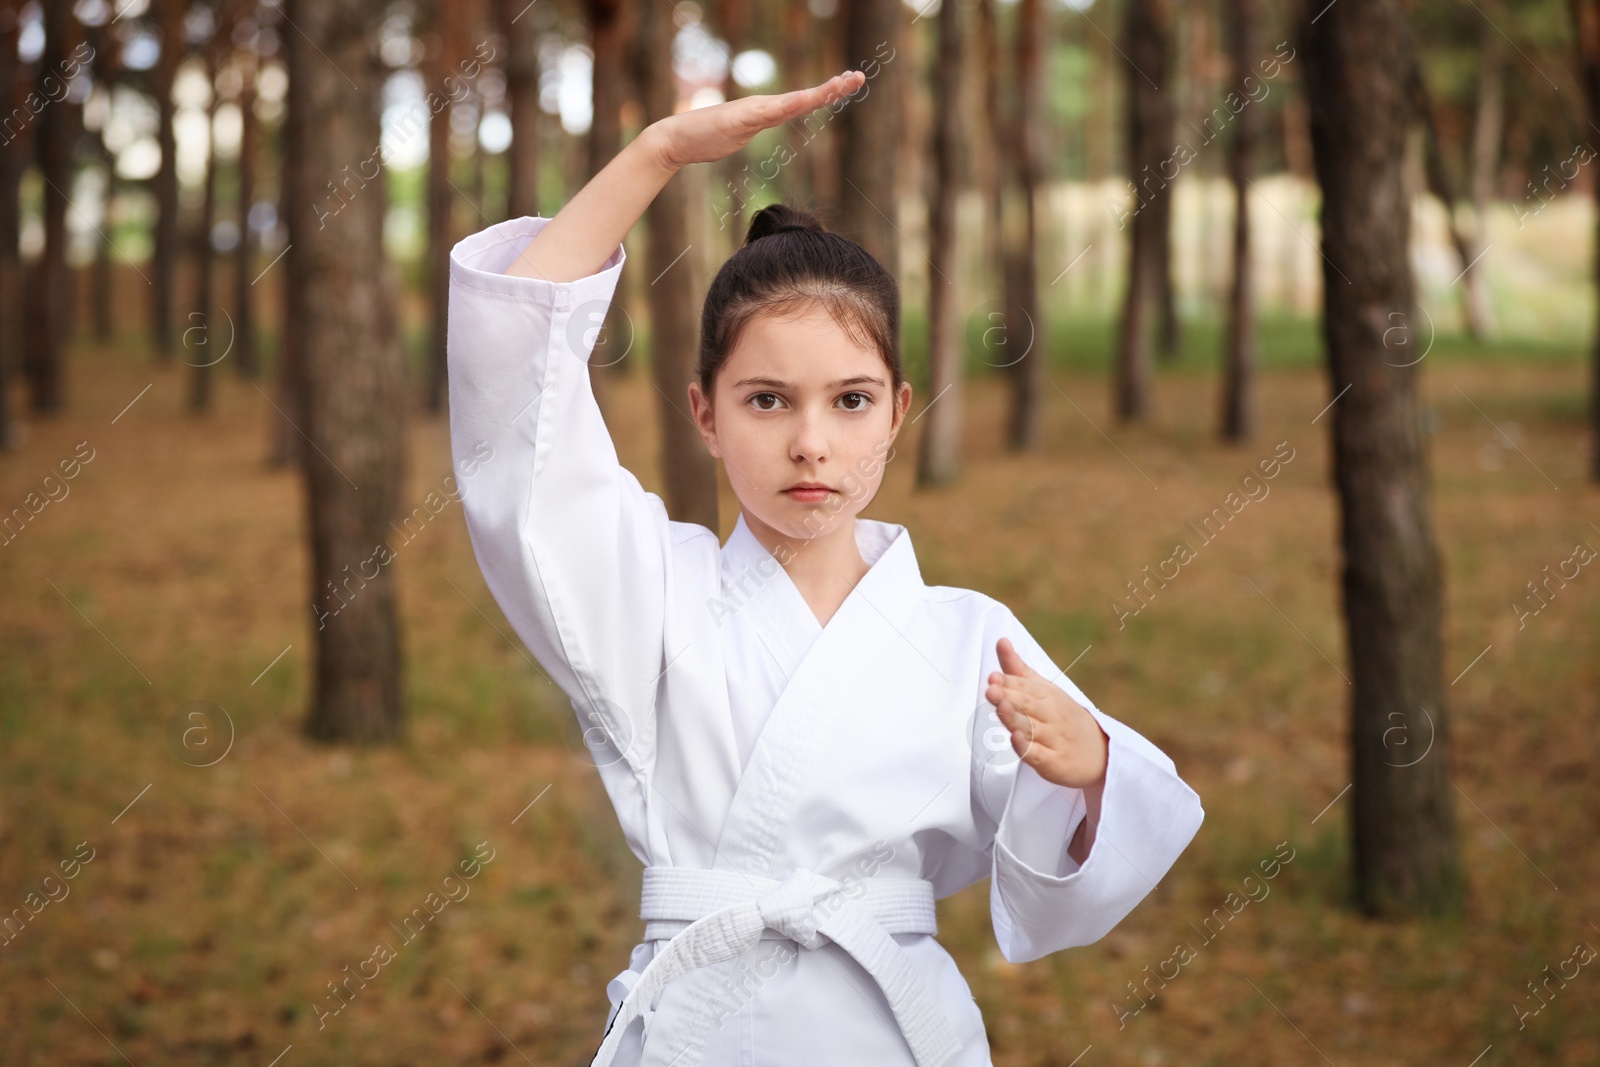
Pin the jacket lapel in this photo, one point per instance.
(832, 672)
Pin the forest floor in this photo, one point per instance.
(168, 592)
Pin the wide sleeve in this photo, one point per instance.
(1040, 899)
(573, 548)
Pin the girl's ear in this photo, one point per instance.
(704, 418)
(902, 404)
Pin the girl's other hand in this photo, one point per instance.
(707, 134)
(1050, 731)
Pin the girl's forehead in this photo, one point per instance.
(807, 348)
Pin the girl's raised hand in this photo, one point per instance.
(1050, 731)
(707, 134)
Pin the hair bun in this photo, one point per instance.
(781, 218)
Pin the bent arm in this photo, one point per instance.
(1048, 891)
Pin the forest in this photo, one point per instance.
(1256, 363)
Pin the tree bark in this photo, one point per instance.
(48, 311)
(521, 67)
(1487, 129)
(1150, 139)
(689, 470)
(14, 142)
(1442, 187)
(249, 355)
(1405, 851)
(164, 265)
(353, 381)
(870, 125)
(611, 86)
(1238, 387)
(442, 53)
(1024, 320)
(102, 294)
(939, 459)
(204, 356)
(1586, 18)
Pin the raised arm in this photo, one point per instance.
(593, 222)
(575, 551)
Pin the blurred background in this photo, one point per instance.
(1254, 348)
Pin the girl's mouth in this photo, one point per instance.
(808, 495)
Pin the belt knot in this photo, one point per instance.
(790, 909)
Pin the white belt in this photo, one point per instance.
(712, 916)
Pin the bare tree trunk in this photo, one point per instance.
(205, 356)
(48, 310)
(1487, 129)
(690, 472)
(106, 68)
(11, 163)
(442, 53)
(798, 65)
(1150, 138)
(522, 99)
(1443, 188)
(1168, 341)
(990, 172)
(611, 86)
(1238, 387)
(871, 123)
(1024, 321)
(249, 361)
(353, 373)
(165, 263)
(940, 458)
(1586, 18)
(1357, 69)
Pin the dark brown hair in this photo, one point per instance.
(789, 259)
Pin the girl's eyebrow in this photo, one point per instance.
(774, 383)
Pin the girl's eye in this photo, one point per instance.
(865, 400)
(756, 400)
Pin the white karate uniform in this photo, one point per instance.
(806, 791)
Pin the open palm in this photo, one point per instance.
(707, 134)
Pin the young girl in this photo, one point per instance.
(804, 743)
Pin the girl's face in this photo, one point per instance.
(799, 401)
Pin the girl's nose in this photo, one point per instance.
(810, 438)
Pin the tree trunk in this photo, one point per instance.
(244, 325)
(1443, 188)
(442, 52)
(870, 125)
(48, 310)
(1487, 128)
(1024, 322)
(353, 381)
(518, 27)
(164, 264)
(940, 457)
(1169, 341)
(1406, 862)
(11, 163)
(611, 86)
(1586, 17)
(689, 470)
(1238, 387)
(214, 338)
(1150, 138)
(102, 295)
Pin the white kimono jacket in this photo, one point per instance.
(803, 791)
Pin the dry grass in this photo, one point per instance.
(219, 905)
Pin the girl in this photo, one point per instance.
(804, 743)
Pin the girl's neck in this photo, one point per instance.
(824, 568)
